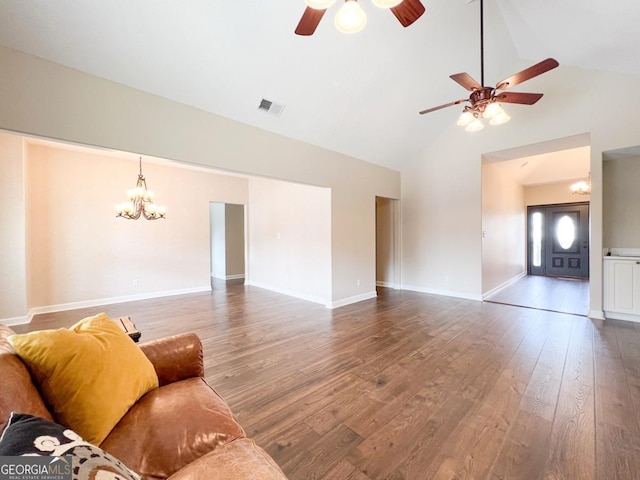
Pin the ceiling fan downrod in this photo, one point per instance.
(482, 42)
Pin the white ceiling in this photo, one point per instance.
(562, 165)
(355, 94)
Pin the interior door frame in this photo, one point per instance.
(532, 269)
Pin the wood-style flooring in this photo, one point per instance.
(413, 386)
(557, 294)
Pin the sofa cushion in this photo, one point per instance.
(171, 427)
(241, 458)
(89, 374)
(29, 435)
(18, 391)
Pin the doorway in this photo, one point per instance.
(558, 240)
(387, 261)
(227, 242)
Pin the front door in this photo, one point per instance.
(559, 240)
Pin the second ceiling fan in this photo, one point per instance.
(484, 101)
(351, 18)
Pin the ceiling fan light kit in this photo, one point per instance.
(500, 118)
(483, 100)
(492, 110)
(475, 126)
(466, 117)
(351, 18)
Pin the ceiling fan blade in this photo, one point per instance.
(466, 81)
(429, 110)
(516, 97)
(408, 11)
(528, 73)
(309, 21)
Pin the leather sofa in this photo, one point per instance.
(180, 430)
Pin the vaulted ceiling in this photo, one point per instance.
(356, 94)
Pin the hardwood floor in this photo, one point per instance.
(413, 386)
(557, 294)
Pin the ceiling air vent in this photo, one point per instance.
(267, 106)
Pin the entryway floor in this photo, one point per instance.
(556, 294)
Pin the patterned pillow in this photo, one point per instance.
(26, 435)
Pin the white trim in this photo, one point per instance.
(596, 314)
(98, 302)
(228, 277)
(445, 293)
(504, 285)
(354, 299)
(11, 322)
(629, 317)
(387, 285)
(235, 277)
(290, 293)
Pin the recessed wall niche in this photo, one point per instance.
(621, 198)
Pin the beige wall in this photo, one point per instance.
(551, 193)
(503, 228)
(218, 240)
(621, 203)
(13, 269)
(441, 222)
(290, 239)
(53, 101)
(78, 251)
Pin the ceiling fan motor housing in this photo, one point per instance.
(479, 99)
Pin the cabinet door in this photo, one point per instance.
(623, 287)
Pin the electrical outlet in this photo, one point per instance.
(136, 282)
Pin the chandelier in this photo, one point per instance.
(582, 187)
(140, 202)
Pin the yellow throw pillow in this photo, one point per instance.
(90, 374)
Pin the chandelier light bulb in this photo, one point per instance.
(350, 18)
(465, 118)
(319, 4)
(387, 3)
(475, 126)
(500, 118)
(492, 110)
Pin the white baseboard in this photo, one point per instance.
(98, 302)
(445, 293)
(354, 299)
(619, 316)
(10, 322)
(229, 277)
(387, 285)
(504, 285)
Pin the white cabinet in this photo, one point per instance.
(622, 288)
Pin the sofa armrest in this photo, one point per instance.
(175, 358)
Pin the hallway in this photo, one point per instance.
(556, 294)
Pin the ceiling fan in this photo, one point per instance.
(351, 18)
(484, 101)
